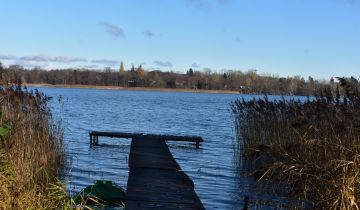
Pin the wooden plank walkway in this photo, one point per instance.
(156, 181)
(94, 137)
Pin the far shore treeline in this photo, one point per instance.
(235, 80)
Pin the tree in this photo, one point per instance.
(140, 68)
(332, 80)
(140, 71)
(225, 76)
(207, 71)
(190, 72)
(311, 80)
(122, 68)
(1, 71)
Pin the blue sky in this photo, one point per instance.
(319, 38)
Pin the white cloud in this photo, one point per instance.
(7, 57)
(48, 58)
(205, 4)
(105, 61)
(148, 33)
(163, 63)
(113, 30)
(195, 65)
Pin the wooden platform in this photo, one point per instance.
(94, 137)
(156, 181)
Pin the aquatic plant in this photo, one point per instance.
(308, 150)
(31, 150)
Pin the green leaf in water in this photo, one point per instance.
(3, 131)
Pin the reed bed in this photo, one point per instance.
(32, 153)
(307, 150)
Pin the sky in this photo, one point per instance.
(318, 38)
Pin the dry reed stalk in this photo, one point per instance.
(33, 150)
(309, 149)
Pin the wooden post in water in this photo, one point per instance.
(94, 139)
(91, 141)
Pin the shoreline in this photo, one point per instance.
(100, 87)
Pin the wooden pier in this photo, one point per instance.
(94, 137)
(156, 180)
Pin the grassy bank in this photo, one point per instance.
(134, 88)
(307, 150)
(31, 150)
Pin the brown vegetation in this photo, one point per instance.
(309, 150)
(244, 82)
(134, 88)
(31, 150)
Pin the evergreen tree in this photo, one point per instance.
(190, 72)
(122, 68)
(225, 76)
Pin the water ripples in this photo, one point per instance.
(213, 167)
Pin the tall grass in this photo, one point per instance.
(31, 150)
(308, 150)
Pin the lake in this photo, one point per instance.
(213, 167)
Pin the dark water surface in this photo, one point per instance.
(212, 168)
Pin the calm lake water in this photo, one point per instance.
(213, 168)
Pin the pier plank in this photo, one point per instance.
(156, 180)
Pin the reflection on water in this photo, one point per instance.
(213, 167)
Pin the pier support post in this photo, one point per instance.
(94, 139)
(197, 144)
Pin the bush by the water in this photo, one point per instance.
(31, 150)
(309, 150)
